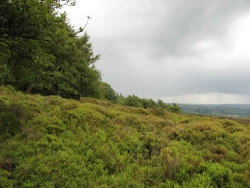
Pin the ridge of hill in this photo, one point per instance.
(55, 142)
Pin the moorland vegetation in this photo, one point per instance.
(54, 142)
(61, 126)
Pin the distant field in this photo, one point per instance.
(225, 110)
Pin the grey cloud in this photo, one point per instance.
(193, 21)
(169, 28)
(232, 82)
(156, 85)
(147, 47)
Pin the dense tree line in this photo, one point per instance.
(108, 93)
(40, 52)
(133, 100)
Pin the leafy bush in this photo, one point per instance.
(220, 176)
(10, 123)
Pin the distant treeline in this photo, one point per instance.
(109, 94)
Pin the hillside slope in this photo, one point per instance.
(54, 142)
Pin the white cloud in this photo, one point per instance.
(239, 33)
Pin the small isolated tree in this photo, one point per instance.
(175, 108)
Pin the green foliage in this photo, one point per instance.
(40, 52)
(4, 179)
(108, 92)
(133, 100)
(5, 75)
(10, 118)
(175, 108)
(159, 107)
(220, 176)
(55, 142)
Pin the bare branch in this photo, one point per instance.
(82, 29)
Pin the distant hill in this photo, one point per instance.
(55, 142)
(224, 110)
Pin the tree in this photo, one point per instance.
(133, 100)
(108, 92)
(175, 108)
(162, 104)
(42, 53)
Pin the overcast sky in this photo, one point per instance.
(183, 51)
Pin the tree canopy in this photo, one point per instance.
(40, 52)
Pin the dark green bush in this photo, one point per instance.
(10, 123)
